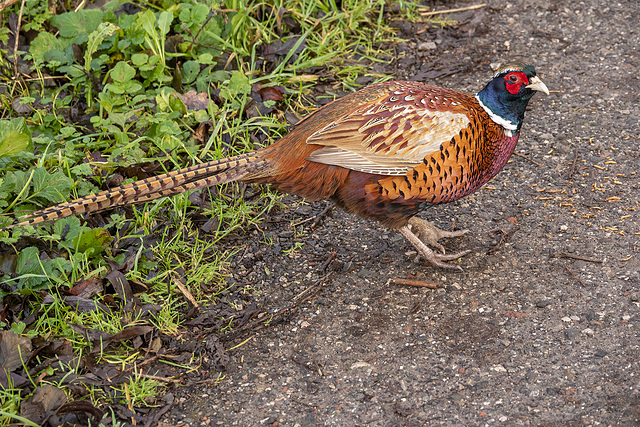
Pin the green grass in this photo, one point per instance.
(97, 93)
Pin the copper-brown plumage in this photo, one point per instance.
(381, 153)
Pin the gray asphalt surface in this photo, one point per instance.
(541, 327)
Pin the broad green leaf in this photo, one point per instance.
(170, 127)
(237, 86)
(14, 143)
(14, 136)
(219, 75)
(164, 22)
(139, 59)
(41, 45)
(55, 188)
(163, 99)
(148, 21)
(205, 59)
(61, 55)
(92, 242)
(239, 83)
(4, 196)
(199, 13)
(69, 228)
(185, 13)
(29, 263)
(14, 182)
(122, 72)
(190, 70)
(78, 25)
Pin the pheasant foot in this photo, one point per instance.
(432, 234)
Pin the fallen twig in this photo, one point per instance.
(325, 264)
(144, 362)
(573, 275)
(6, 3)
(573, 164)
(322, 214)
(304, 404)
(578, 257)
(526, 158)
(187, 294)
(317, 217)
(459, 9)
(241, 344)
(15, 46)
(163, 379)
(301, 363)
(416, 283)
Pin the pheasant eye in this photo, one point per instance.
(513, 78)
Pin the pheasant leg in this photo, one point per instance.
(432, 234)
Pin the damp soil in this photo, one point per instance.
(542, 325)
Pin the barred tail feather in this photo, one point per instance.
(194, 185)
(194, 177)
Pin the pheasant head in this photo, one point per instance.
(506, 96)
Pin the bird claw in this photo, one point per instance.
(439, 259)
(430, 234)
(423, 232)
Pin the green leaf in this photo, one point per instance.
(54, 188)
(169, 127)
(190, 71)
(168, 100)
(18, 328)
(41, 45)
(69, 227)
(148, 21)
(29, 263)
(78, 25)
(105, 29)
(92, 242)
(164, 22)
(237, 86)
(14, 182)
(199, 13)
(139, 59)
(14, 136)
(77, 238)
(14, 143)
(122, 72)
(205, 59)
(219, 75)
(26, 259)
(239, 83)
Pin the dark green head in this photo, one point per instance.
(506, 96)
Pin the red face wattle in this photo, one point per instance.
(514, 80)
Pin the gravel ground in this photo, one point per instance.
(541, 327)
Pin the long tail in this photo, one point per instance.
(194, 177)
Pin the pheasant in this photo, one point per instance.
(384, 153)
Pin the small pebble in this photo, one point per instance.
(359, 365)
(543, 303)
(600, 353)
(426, 46)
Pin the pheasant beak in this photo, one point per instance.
(536, 84)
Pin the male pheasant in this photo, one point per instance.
(383, 152)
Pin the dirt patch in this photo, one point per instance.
(541, 327)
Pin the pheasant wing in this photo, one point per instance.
(394, 133)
